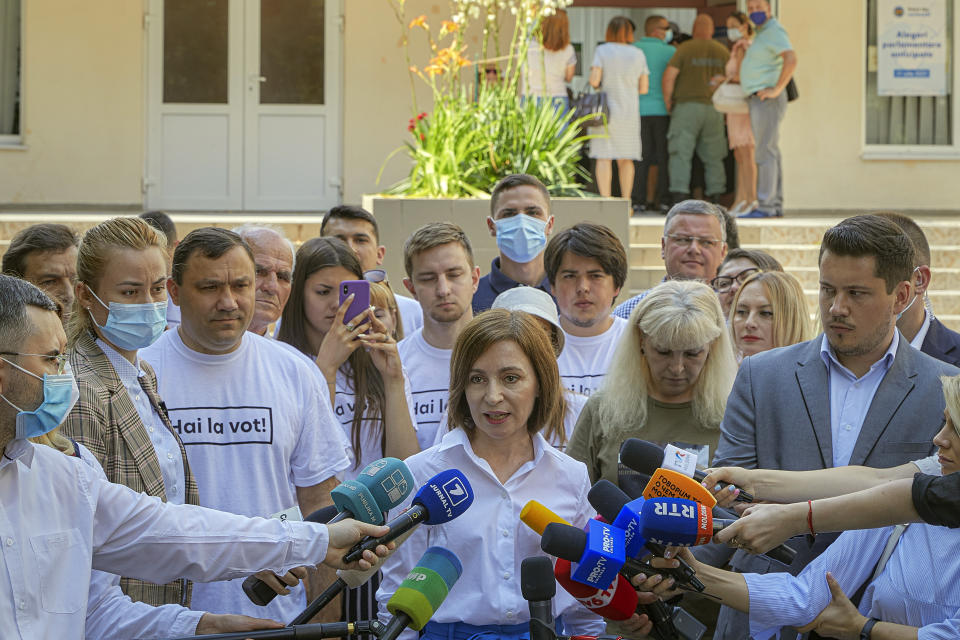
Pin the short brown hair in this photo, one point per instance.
(499, 325)
(210, 242)
(434, 234)
(620, 29)
(39, 237)
(652, 23)
(513, 181)
(556, 31)
(914, 232)
(763, 260)
(587, 240)
(877, 237)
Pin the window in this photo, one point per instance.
(911, 106)
(10, 72)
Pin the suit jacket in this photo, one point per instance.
(106, 421)
(778, 417)
(942, 343)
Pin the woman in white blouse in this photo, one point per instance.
(504, 388)
(551, 61)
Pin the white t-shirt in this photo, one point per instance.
(429, 370)
(410, 312)
(547, 69)
(370, 430)
(584, 361)
(255, 426)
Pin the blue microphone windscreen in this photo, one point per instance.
(389, 481)
(674, 521)
(445, 496)
(444, 562)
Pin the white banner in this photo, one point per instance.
(912, 47)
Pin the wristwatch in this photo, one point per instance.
(867, 630)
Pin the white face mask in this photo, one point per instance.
(915, 296)
(733, 35)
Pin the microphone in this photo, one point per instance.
(647, 457)
(444, 497)
(538, 588)
(685, 523)
(380, 486)
(597, 553)
(616, 507)
(618, 601)
(422, 592)
(537, 517)
(666, 483)
(303, 632)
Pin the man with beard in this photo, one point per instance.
(858, 394)
(587, 266)
(442, 277)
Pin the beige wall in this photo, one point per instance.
(83, 105)
(823, 131)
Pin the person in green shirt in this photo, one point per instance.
(765, 72)
(692, 75)
(668, 382)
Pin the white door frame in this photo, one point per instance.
(241, 114)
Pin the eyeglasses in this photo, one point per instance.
(722, 284)
(375, 275)
(686, 241)
(61, 358)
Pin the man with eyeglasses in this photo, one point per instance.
(273, 258)
(693, 245)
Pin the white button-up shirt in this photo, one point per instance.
(163, 440)
(489, 538)
(851, 397)
(58, 519)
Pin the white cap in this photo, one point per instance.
(535, 302)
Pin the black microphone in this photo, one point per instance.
(538, 587)
(259, 591)
(647, 457)
(304, 632)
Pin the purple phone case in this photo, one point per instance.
(361, 299)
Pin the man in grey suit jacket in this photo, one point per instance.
(857, 394)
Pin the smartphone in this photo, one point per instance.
(361, 297)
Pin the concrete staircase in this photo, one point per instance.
(795, 242)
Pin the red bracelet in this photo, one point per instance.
(810, 517)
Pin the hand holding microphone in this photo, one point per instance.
(764, 527)
(724, 483)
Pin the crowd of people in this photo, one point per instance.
(172, 406)
(662, 121)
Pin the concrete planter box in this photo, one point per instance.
(399, 217)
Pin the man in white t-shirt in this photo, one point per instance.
(259, 433)
(358, 228)
(273, 258)
(587, 266)
(442, 277)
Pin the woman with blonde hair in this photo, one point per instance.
(668, 382)
(120, 307)
(551, 61)
(768, 311)
(505, 392)
(384, 302)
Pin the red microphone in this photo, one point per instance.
(616, 602)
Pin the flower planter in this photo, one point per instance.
(398, 217)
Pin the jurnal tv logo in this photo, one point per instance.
(395, 486)
(455, 491)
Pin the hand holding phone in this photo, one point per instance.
(360, 289)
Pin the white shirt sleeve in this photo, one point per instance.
(571, 55)
(186, 541)
(643, 67)
(112, 615)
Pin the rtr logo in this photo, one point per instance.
(455, 491)
(395, 486)
(898, 11)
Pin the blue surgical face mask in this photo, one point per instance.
(132, 326)
(758, 17)
(60, 393)
(668, 36)
(521, 238)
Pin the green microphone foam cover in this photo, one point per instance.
(419, 596)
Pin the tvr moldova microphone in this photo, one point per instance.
(422, 592)
(444, 497)
(379, 487)
(647, 457)
(538, 587)
(616, 507)
(618, 601)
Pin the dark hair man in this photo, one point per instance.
(520, 220)
(587, 267)
(358, 228)
(858, 394)
(46, 255)
(258, 429)
(164, 224)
